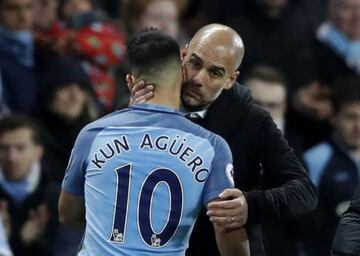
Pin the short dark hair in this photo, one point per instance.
(267, 74)
(13, 122)
(151, 49)
(345, 90)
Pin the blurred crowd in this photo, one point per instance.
(63, 64)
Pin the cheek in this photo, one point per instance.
(214, 91)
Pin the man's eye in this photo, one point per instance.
(194, 64)
(215, 74)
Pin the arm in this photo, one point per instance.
(72, 211)
(287, 189)
(347, 240)
(230, 242)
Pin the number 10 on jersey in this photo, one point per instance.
(145, 227)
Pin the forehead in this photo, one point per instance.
(212, 54)
(16, 136)
(267, 90)
(162, 5)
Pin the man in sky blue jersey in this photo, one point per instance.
(143, 173)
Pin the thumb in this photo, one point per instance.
(230, 193)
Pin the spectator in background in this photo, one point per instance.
(23, 186)
(88, 35)
(68, 106)
(339, 41)
(268, 88)
(347, 240)
(20, 87)
(334, 166)
(337, 53)
(101, 46)
(161, 14)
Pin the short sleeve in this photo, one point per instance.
(221, 175)
(73, 182)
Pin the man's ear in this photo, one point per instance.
(232, 79)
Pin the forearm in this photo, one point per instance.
(72, 211)
(292, 199)
(232, 242)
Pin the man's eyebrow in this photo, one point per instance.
(194, 56)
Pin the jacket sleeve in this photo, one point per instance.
(347, 239)
(287, 190)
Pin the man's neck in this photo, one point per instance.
(166, 98)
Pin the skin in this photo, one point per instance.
(17, 15)
(18, 152)
(345, 14)
(210, 63)
(346, 121)
(269, 95)
(69, 101)
(45, 13)
(161, 14)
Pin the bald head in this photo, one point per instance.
(225, 43)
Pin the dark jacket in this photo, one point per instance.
(19, 214)
(275, 183)
(347, 239)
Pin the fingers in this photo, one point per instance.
(228, 204)
(143, 95)
(227, 222)
(140, 92)
(230, 193)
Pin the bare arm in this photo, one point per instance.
(72, 211)
(232, 242)
(225, 214)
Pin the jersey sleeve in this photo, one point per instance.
(73, 182)
(221, 173)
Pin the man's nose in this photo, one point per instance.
(200, 78)
(12, 154)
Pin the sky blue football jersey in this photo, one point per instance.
(145, 172)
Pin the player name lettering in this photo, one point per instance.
(109, 150)
(177, 147)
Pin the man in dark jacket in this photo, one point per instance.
(347, 240)
(273, 183)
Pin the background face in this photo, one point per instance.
(161, 14)
(270, 96)
(18, 153)
(45, 13)
(17, 15)
(347, 123)
(345, 14)
(69, 101)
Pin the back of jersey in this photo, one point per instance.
(147, 173)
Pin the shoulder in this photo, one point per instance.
(318, 153)
(316, 159)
